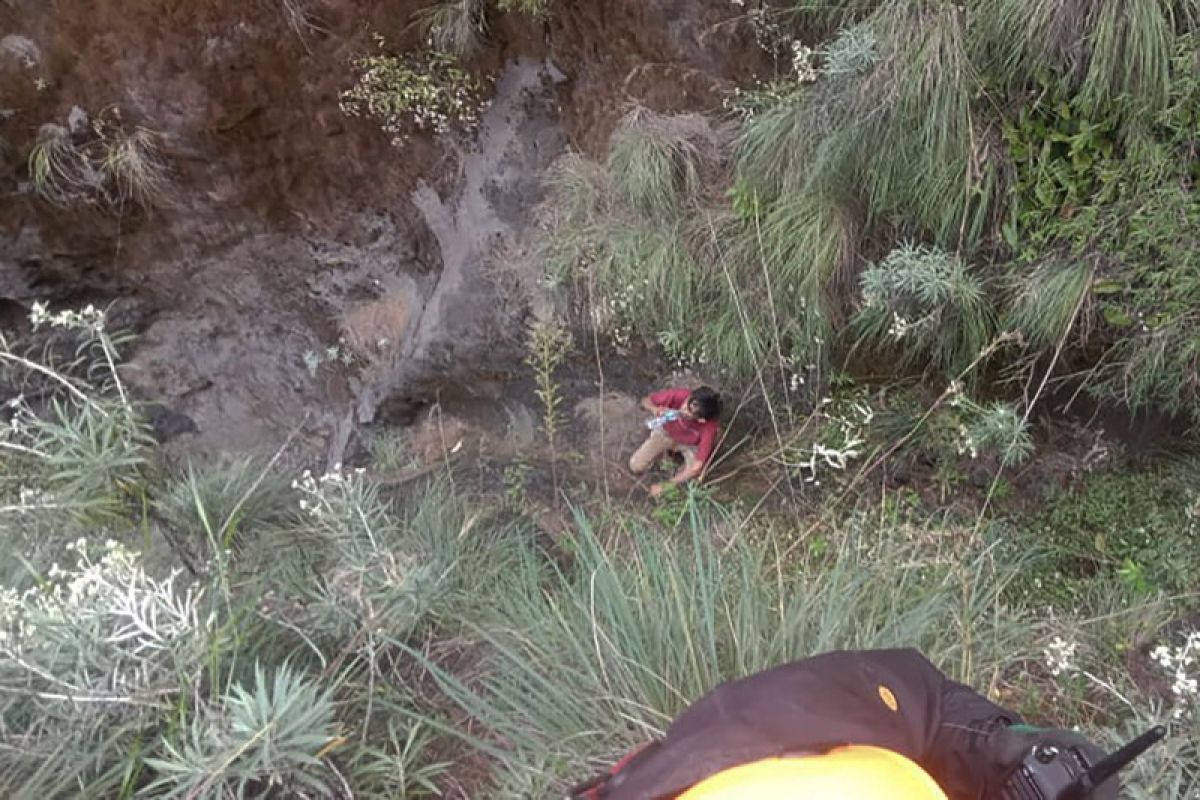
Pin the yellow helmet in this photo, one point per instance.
(856, 772)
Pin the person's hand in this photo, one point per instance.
(657, 489)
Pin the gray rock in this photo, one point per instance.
(77, 120)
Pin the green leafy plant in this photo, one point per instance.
(426, 91)
(269, 734)
(549, 343)
(1061, 158)
(925, 306)
(211, 505)
(1135, 525)
(516, 478)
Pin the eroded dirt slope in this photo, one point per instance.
(288, 228)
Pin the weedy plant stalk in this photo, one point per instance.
(549, 343)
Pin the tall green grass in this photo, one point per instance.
(1114, 53)
(655, 160)
(1050, 139)
(1048, 301)
(587, 659)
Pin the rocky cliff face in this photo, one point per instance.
(285, 228)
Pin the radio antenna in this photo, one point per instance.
(1110, 765)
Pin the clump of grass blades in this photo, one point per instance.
(925, 306)
(534, 8)
(134, 164)
(453, 26)
(113, 166)
(211, 505)
(269, 733)
(826, 17)
(655, 161)
(1154, 368)
(59, 170)
(919, 146)
(893, 120)
(1047, 299)
(806, 243)
(1110, 51)
(589, 659)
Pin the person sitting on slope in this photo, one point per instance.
(685, 422)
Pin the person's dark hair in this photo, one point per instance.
(708, 402)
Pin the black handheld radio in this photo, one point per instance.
(1050, 772)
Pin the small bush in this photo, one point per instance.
(269, 734)
(95, 654)
(427, 92)
(927, 307)
(211, 505)
(355, 566)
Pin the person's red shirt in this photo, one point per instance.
(701, 435)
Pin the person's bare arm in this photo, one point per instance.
(649, 405)
(686, 473)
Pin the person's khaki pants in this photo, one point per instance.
(657, 445)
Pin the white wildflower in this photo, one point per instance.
(899, 327)
(1060, 655)
(1179, 663)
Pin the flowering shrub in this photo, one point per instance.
(427, 92)
(842, 424)
(1060, 656)
(98, 636)
(1180, 662)
(926, 307)
(995, 427)
(71, 438)
(360, 562)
